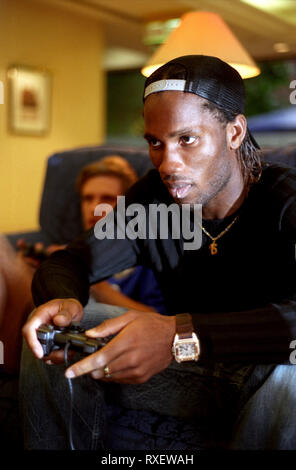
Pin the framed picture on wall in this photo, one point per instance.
(29, 100)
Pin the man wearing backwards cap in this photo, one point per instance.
(238, 289)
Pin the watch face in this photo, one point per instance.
(186, 351)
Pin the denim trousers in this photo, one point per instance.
(185, 407)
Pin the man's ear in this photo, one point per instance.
(236, 131)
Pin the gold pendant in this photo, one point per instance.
(213, 248)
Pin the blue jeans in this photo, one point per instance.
(267, 421)
(185, 407)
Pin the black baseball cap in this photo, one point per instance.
(205, 76)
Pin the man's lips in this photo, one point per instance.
(180, 189)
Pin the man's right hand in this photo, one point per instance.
(61, 312)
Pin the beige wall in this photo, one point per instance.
(70, 47)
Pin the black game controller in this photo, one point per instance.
(54, 337)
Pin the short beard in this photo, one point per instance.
(218, 182)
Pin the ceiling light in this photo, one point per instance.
(281, 47)
(265, 4)
(203, 33)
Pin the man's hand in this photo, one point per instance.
(61, 312)
(141, 348)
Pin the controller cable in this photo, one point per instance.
(70, 385)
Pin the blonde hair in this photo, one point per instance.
(112, 165)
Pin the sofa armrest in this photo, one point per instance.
(29, 237)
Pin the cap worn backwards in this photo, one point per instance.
(206, 76)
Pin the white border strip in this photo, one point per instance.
(1, 353)
(1, 93)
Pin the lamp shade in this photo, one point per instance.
(203, 33)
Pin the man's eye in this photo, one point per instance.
(109, 199)
(188, 139)
(154, 143)
(86, 198)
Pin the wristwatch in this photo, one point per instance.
(186, 345)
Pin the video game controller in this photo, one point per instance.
(53, 337)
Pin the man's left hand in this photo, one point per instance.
(141, 348)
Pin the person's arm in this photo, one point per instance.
(15, 303)
(142, 345)
(105, 293)
(261, 335)
(60, 287)
(69, 273)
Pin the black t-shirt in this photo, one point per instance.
(242, 299)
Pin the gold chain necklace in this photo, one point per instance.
(213, 246)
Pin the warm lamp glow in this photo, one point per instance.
(203, 33)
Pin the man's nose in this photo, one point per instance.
(171, 161)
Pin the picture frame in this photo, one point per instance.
(29, 100)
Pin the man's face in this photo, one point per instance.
(188, 146)
(98, 190)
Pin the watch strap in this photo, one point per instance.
(184, 326)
